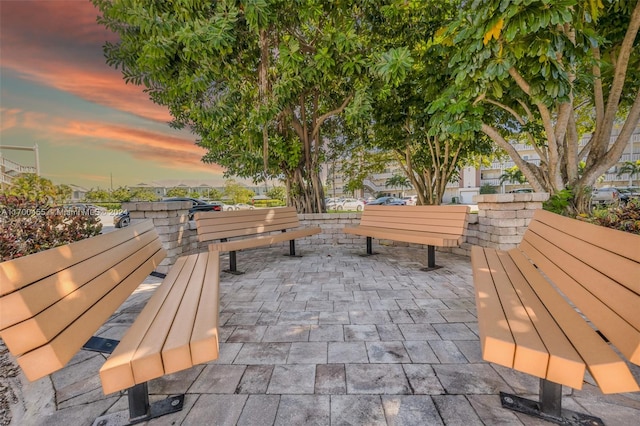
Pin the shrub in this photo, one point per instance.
(29, 226)
(560, 202)
(488, 189)
(268, 203)
(623, 217)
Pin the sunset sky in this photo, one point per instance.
(57, 91)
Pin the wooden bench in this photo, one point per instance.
(550, 306)
(243, 229)
(441, 226)
(52, 302)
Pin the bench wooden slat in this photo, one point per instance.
(117, 373)
(204, 337)
(233, 218)
(440, 227)
(42, 327)
(497, 343)
(57, 353)
(243, 215)
(17, 273)
(227, 224)
(183, 308)
(418, 210)
(530, 355)
(608, 370)
(217, 233)
(243, 223)
(600, 259)
(176, 350)
(263, 240)
(565, 364)
(147, 360)
(622, 243)
(416, 216)
(28, 301)
(603, 305)
(249, 229)
(435, 239)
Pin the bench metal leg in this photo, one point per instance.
(232, 264)
(369, 247)
(100, 344)
(139, 408)
(431, 260)
(292, 248)
(549, 407)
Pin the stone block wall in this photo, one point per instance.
(500, 223)
(503, 218)
(331, 225)
(171, 220)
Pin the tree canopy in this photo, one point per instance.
(546, 73)
(257, 80)
(275, 88)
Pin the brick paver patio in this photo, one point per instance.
(330, 338)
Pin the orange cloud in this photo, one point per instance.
(59, 44)
(169, 151)
(9, 118)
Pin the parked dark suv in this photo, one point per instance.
(123, 219)
(198, 205)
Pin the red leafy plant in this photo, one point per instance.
(29, 226)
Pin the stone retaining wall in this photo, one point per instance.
(500, 223)
(503, 218)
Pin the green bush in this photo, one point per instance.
(268, 203)
(625, 217)
(29, 226)
(559, 202)
(488, 189)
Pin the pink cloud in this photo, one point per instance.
(9, 118)
(59, 44)
(169, 151)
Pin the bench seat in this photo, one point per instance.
(433, 226)
(558, 304)
(52, 303)
(244, 229)
(427, 238)
(263, 240)
(177, 329)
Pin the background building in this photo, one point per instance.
(472, 179)
(10, 169)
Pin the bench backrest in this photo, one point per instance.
(228, 224)
(437, 219)
(596, 268)
(53, 301)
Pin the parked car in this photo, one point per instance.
(521, 191)
(387, 201)
(122, 219)
(411, 200)
(198, 205)
(332, 203)
(243, 206)
(223, 206)
(608, 195)
(351, 204)
(628, 193)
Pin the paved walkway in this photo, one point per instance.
(330, 338)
